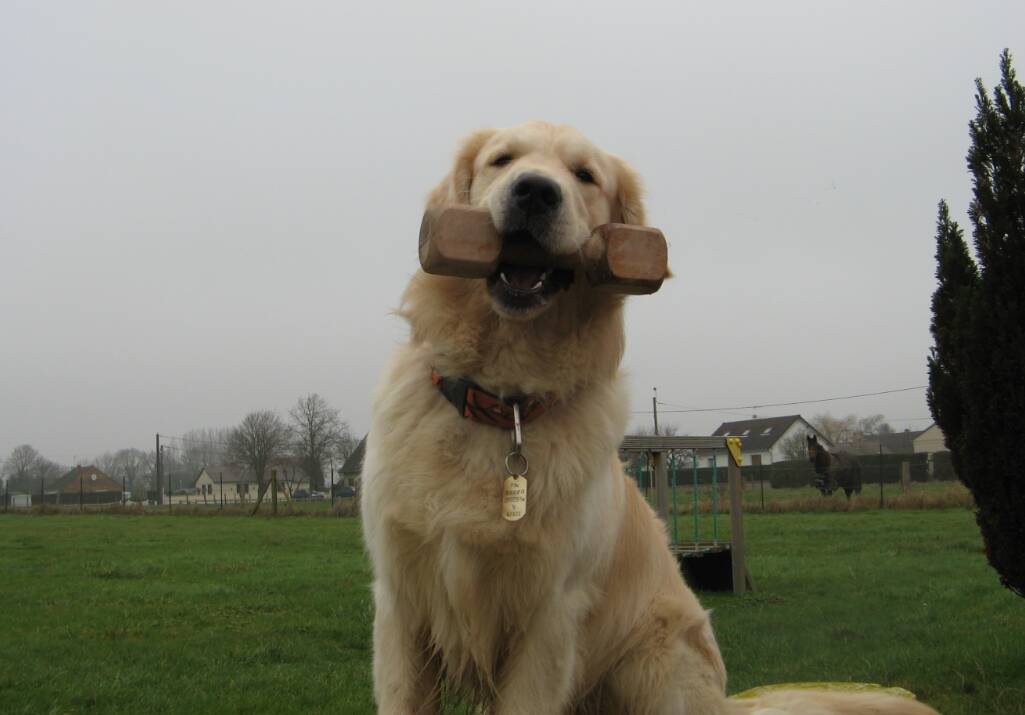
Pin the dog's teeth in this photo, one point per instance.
(538, 284)
(504, 278)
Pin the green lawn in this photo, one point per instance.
(115, 613)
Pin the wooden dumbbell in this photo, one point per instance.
(462, 241)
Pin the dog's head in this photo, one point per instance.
(543, 183)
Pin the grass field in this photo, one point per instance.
(115, 613)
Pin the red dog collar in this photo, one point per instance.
(476, 403)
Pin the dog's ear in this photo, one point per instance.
(629, 194)
(455, 188)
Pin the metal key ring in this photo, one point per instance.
(508, 466)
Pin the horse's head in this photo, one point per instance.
(813, 446)
(817, 454)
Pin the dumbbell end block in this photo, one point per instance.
(459, 241)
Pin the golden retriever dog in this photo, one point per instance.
(578, 606)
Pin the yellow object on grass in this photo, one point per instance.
(835, 687)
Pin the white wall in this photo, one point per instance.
(930, 441)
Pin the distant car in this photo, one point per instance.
(343, 491)
(316, 495)
(300, 495)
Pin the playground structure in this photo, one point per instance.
(716, 564)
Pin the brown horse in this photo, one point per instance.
(836, 470)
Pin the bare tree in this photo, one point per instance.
(131, 465)
(665, 430)
(259, 439)
(19, 468)
(795, 447)
(292, 475)
(874, 424)
(205, 447)
(106, 463)
(345, 447)
(840, 431)
(846, 432)
(317, 434)
(46, 470)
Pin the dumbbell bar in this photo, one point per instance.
(462, 241)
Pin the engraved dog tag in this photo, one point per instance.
(514, 498)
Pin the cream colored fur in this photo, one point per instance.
(578, 607)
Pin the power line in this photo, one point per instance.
(787, 404)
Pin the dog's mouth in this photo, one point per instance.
(522, 288)
(523, 281)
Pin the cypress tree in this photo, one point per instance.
(977, 364)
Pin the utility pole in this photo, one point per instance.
(654, 408)
(168, 482)
(160, 480)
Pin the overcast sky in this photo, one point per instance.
(208, 208)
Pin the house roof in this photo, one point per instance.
(229, 473)
(354, 464)
(180, 479)
(894, 443)
(87, 479)
(931, 425)
(761, 433)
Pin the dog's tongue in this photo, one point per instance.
(523, 278)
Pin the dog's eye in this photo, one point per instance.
(584, 175)
(502, 160)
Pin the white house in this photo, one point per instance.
(763, 439)
(239, 485)
(930, 441)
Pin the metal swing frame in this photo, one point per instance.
(657, 448)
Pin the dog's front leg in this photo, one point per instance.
(405, 677)
(539, 677)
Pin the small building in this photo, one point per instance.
(930, 441)
(228, 481)
(19, 500)
(892, 443)
(353, 467)
(85, 485)
(763, 439)
(239, 484)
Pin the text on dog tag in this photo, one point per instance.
(514, 498)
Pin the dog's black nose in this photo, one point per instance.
(536, 195)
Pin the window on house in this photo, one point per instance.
(766, 431)
(746, 433)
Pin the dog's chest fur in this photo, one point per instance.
(472, 579)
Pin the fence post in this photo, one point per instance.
(274, 491)
(80, 492)
(220, 475)
(881, 499)
(661, 486)
(736, 524)
(761, 485)
(122, 491)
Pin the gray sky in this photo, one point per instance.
(209, 207)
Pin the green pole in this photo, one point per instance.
(676, 527)
(715, 500)
(697, 531)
